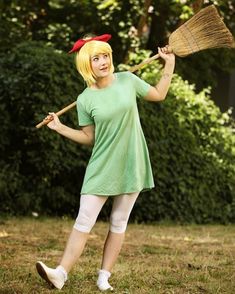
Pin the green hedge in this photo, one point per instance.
(192, 147)
(191, 144)
(40, 171)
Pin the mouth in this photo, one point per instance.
(104, 68)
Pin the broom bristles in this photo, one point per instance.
(204, 30)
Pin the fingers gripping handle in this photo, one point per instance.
(43, 123)
(148, 60)
(46, 121)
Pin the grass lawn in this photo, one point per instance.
(154, 259)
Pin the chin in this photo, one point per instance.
(104, 74)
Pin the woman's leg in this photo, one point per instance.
(90, 206)
(122, 207)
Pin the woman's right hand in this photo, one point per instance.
(54, 123)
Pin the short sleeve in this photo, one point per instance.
(140, 86)
(84, 117)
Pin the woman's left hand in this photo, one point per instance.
(166, 55)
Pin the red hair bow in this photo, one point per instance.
(78, 45)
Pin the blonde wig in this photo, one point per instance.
(83, 59)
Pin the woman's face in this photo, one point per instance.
(100, 64)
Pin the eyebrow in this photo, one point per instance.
(97, 55)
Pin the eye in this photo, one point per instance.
(105, 56)
(95, 59)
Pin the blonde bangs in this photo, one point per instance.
(83, 59)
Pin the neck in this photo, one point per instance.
(104, 82)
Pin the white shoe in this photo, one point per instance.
(104, 286)
(53, 277)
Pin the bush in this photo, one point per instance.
(191, 144)
(39, 169)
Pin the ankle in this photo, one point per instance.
(62, 270)
(104, 272)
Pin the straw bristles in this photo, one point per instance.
(204, 30)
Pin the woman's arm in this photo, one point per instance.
(158, 93)
(84, 136)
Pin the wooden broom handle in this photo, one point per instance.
(132, 69)
(146, 61)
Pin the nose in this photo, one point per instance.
(103, 60)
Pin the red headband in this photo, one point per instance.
(78, 45)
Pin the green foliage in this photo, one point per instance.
(192, 148)
(37, 166)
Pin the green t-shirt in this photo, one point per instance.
(119, 162)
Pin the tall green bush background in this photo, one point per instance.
(191, 144)
(39, 171)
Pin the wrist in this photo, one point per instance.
(170, 60)
(60, 129)
(168, 68)
(169, 65)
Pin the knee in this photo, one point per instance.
(84, 221)
(118, 223)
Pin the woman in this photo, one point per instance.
(119, 166)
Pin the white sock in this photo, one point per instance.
(61, 269)
(102, 281)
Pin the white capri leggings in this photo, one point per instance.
(90, 207)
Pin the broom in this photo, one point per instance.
(205, 30)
